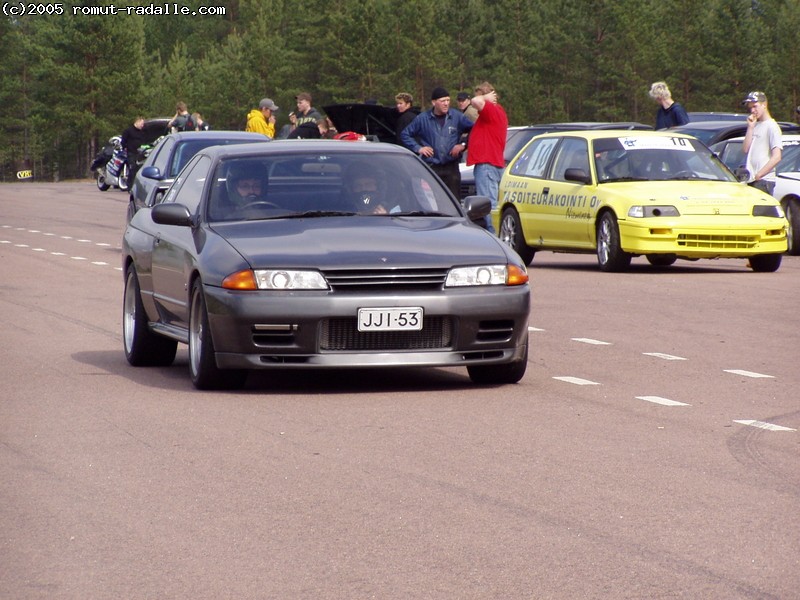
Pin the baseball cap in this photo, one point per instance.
(439, 92)
(462, 96)
(267, 103)
(755, 97)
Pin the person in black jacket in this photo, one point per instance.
(407, 112)
(132, 138)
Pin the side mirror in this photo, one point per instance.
(152, 173)
(477, 207)
(742, 174)
(578, 175)
(171, 214)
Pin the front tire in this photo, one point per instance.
(511, 233)
(766, 263)
(124, 174)
(206, 375)
(792, 210)
(661, 260)
(143, 348)
(610, 255)
(500, 374)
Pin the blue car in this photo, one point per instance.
(170, 155)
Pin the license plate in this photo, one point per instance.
(390, 319)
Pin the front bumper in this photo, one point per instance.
(262, 330)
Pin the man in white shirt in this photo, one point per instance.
(762, 143)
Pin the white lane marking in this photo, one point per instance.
(576, 380)
(662, 401)
(38, 249)
(77, 258)
(591, 341)
(21, 246)
(5, 242)
(58, 254)
(102, 244)
(748, 373)
(534, 329)
(763, 425)
(84, 241)
(664, 356)
(100, 263)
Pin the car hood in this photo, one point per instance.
(690, 197)
(366, 119)
(363, 242)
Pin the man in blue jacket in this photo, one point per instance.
(436, 136)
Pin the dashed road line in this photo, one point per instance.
(591, 341)
(576, 380)
(664, 356)
(748, 374)
(763, 425)
(662, 401)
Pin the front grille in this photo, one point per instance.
(394, 280)
(717, 242)
(342, 334)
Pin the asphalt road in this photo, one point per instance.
(651, 451)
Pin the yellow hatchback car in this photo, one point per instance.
(622, 194)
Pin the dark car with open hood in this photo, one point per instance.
(320, 254)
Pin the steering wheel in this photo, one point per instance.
(686, 173)
(259, 204)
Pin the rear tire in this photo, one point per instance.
(101, 181)
(766, 263)
(206, 375)
(143, 348)
(792, 210)
(500, 374)
(609, 251)
(511, 233)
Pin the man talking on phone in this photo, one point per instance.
(762, 143)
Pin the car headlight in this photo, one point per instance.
(768, 210)
(275, 279)
(641, 212)
(486, 275)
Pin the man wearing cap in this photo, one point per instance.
(436, 136)
(261, 119)
(307, 118)
(762, 143)
(465, 106)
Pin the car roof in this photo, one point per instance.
(218, 134)
(717, 116)
(586, 125)
(595, 134)
(278, 147)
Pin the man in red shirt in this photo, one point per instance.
(487, 142)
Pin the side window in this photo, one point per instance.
(534, 159)
(573, 153)
(188, 188)
(163, 151)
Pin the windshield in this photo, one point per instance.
(318, 185)
(644, 158)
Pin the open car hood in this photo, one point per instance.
(367, 119)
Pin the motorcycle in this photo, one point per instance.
(111, 166)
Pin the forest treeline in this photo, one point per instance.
(67, 83)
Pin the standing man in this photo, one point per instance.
(670, 114)
(465, 106)
(132, 138)
(762, 143)
(407, 112)
(307, 118)
(487, 144)
(439, 133)
(261, 119)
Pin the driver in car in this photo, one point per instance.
(368, 190)
(246, 190)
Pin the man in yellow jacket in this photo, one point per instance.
(261, 119)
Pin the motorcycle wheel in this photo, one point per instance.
(101, 181)
(123, 182)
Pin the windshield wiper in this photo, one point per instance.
(319, 213)
(418, 213)
(616, 179)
